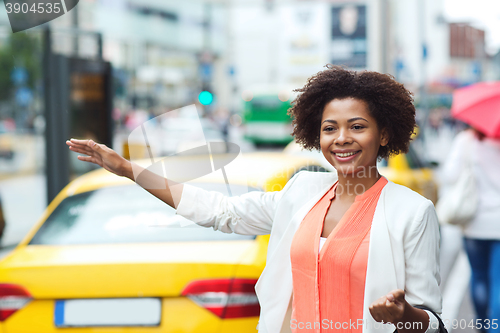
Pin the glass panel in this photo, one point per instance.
(123, 214)
(267, 103)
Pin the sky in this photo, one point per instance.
(482, 14)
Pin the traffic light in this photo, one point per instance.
(205, 97)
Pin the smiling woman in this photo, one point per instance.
(354, 118)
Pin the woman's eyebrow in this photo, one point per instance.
(349, 121)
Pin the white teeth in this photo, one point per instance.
(345, 154)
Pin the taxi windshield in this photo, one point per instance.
(124, 214)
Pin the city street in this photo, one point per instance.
(311, 100)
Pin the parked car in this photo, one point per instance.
(108, 256)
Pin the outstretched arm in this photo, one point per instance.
(108, 159)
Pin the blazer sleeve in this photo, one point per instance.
(248, 214)
(421, 248)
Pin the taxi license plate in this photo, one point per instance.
(108, 312)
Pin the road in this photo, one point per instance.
(23, 200)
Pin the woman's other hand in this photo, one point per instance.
(101, 155)
(389, 308)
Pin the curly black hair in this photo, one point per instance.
(389, 102)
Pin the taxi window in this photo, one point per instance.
(124, 214)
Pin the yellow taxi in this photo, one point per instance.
(107, 256)
(409, 170)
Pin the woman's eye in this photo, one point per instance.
(328, 129)
(358, 127)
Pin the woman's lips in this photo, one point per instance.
(346, 159)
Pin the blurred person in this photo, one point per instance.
(221, 118)
(482, 234)
(2, 222)
(348, 20)
(345, 247)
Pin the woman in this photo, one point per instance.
(482, 234)
(380, 257)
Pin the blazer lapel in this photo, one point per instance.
(274, 287)
(380, 271)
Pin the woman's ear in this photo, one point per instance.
(384, 137)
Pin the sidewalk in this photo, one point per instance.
(23, 200)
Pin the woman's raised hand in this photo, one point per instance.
(100, 155)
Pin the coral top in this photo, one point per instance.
(328, 288)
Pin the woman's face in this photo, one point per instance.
(350, 138)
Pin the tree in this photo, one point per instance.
(22, 50)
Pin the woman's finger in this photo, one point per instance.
(72, 144)
(84, 148)
(81, 142)
(375, 309)
(398, 295)
(386, 315)
(393, 309)
(379, 311)
(88, 159)
(80, 151)
(81, 148)
(395, 303)
(87, 143)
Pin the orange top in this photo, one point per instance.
(328, 288)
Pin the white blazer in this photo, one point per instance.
(403, 249)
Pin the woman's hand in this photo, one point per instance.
(101, 155)
(389, 308)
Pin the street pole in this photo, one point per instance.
(423, 58)
(56, 119)
(74, 18)
(385, 30)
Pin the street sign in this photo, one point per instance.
(348, 36)
(78, 104)
(90, 100)
(19, 76)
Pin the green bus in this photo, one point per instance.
(266, 120)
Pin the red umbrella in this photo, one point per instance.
(479, 106)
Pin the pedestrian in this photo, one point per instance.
(348, 250)
(2, 222)
(481, 236)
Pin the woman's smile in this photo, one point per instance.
(346, 155)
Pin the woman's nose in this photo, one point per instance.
(342, 137)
